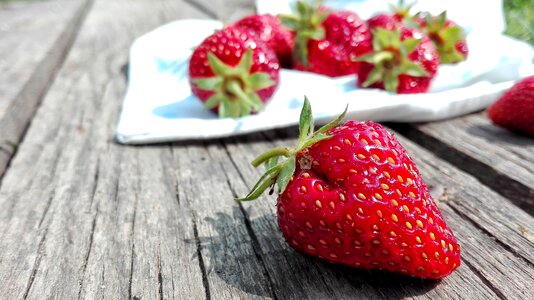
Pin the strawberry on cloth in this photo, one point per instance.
(515, 109)
(270, 30)
(447, 36)
(403, 61)
(327, 42)
(350, 194)
(233, 73)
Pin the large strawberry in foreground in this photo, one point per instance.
(270, 30)
(327, 42)
(350, 194)
(515, 109)
(403, 61)
(233, 73)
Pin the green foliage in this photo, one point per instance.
(520, 19)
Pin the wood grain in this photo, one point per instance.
(31, 50)
(80, 215)
(498, 158)
(84, 217)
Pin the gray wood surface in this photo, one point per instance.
(84, 217)
(497, 157)
(31, 50)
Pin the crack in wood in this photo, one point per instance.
(88, 253)
(488, 283)
(492, 236)
(201, 264)
(202, 8)
(160, 276)
(132, 255)
(48, 204)
(36, 265)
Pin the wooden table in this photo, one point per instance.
(84, 217)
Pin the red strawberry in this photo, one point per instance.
(233, 73)
(448, 37)
(515, 109)
(391, 21)
(270, 30)
(327, 42)
(356, 198)
(404, 61)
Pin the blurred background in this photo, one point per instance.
(519, 17)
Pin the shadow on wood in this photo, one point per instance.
(229, 267)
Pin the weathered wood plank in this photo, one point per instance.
(80, 215)
(493, 250)
(31, 50)
(498, 158)
(224, 10)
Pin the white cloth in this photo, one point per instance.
(159, 107)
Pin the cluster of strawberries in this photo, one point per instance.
(236, 70)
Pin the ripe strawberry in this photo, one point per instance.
(327, 42)
(404, 61)
(350, 194)
(515, 109)
(391, 21)
(448, 37)
(233, 73)
(270, 30)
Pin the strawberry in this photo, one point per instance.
(350, 194)
(391, 21)
(515, 109)
(233, 73)
(327, 42)
(270, 30)
(403, 61)
(449, 38)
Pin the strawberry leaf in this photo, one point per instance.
(245, 63)
(315, 139)
(391, 82)
(409, 45)
(265, 181)
(259, 81)
(208, 83)
(218, 66)
(271, 162)
(213, 101)
(333, 123)
(286, 172)
(306, 120)
(375, 75)
(413, 69)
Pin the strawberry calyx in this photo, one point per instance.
(280, 172)
(401, 10)
(390, 59)
(306, 22)
(444, 35)
(234, 87)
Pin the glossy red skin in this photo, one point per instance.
(346, 37)
(270, 30)
(386, 21)
(355, 229)
(229, 45)
(425, 55)
(515, 109)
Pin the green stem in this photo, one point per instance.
(278, 151)
(234, 87)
